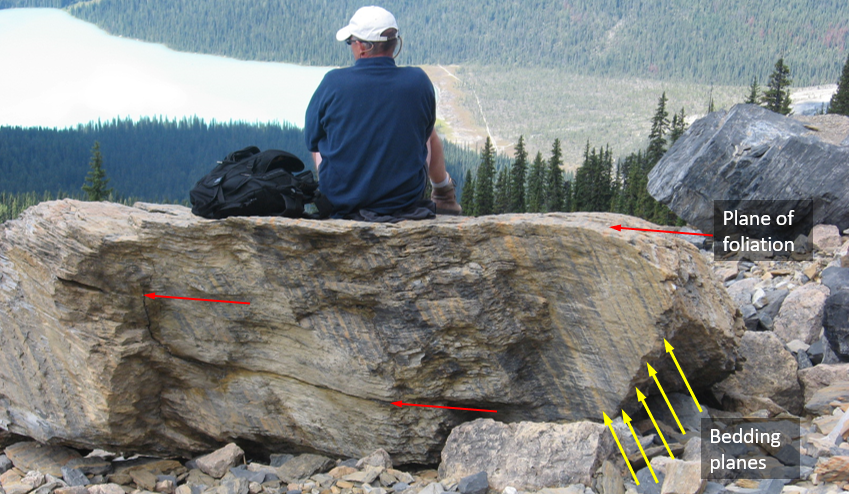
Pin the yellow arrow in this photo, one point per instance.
(608, 423)
(642, 399)
(652, 374)
(628, 421)
(669, 348)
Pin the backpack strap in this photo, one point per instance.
(294, 206)
(323, 205)
(273, 159)
(308, 188)
(237, 156)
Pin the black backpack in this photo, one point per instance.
(249, 182)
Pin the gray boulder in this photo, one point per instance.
(742, 291)
(835, 323)
(378, 458)
(803, 360)
(611, 481)
(770, 371)
(767, 314)
(750, 153)
(217, 463)
(279, 459)
(647, 482)
(801, 315)
(683, 477)
(819, 351)
(835, 278)
(751, 317)
(242, 472)
(821, 402)
(107, 489)
(29, 456)
(74, 477)
(303, 466)
(233, 485)
(473, 484)
(527, 455)
(826, 238)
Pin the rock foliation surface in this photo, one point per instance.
(542, 317)
(750, 153)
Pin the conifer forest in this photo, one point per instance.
(726, 41)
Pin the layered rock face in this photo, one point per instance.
(750, 153)
(542, 318)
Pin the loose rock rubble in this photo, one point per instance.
(795, 365)
(225, 471)
(796, 356)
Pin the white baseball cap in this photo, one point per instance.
(367, 24)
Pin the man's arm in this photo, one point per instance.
(437, 161)
(313, 130)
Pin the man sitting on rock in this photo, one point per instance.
(370, 128)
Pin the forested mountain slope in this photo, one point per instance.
(152, 159)
(717, 41)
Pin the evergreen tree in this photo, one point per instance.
(753, 97)
(503, 192)
(633, 192)
(484, 181)
(581, 183)
(518, 172)
(660, 126)
(553, 186)
(632, 186)
(467, 195)
(644, 203)
(96, 181)
(677, 126)
(777, 97)
(568, 195)
(593, 190)
(663, 215)
(534, 201)
(603, 180)
(711, 108)
(838, 103)
(617, 189)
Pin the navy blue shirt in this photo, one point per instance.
(370, 123)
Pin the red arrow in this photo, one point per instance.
(620, 228)
(401, 404)
(154, 296)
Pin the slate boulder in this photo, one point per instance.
(750, 153)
